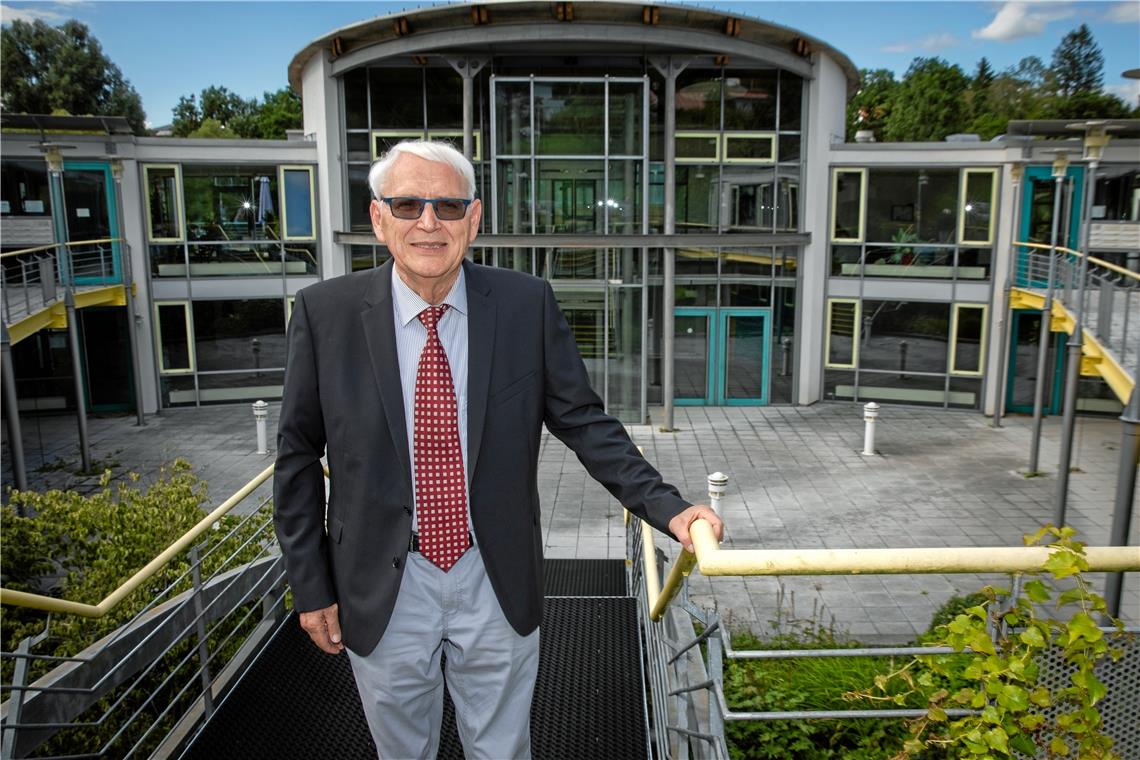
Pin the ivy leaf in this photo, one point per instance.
(997, 738)
(1037, 591)
(936, 714)
(981, 643)
(1082, 626)
(1029, 722)
(1059, 747)
(1023, 744)
(1085, 680)
(1070, 596)
(1062, 564)
(1013, 697)
(913, 746)
(1040, 697)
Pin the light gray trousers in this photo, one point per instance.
(491, 670)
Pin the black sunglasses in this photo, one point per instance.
(409, 207)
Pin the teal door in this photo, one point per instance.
(89, 197)
(721, 357)
(1037, 212)
(1025, 337)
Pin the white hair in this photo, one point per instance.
(429, 150)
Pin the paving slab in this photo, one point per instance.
(797, 479)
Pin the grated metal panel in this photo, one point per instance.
(1121, 706)
(584, 577)
(295, 701)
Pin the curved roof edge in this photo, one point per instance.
(463, 16)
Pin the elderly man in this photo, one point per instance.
(428, 381)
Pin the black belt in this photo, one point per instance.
(414, 544)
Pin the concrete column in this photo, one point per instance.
(1125, 493)
(132, 329)
(77, 370)
(12, 412)
(1046, 334)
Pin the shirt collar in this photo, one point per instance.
(409, 304)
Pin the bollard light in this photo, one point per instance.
(870, 415)
(260, 415)
(718, 484)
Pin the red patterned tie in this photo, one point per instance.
(441, 496)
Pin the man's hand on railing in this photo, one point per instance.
(679, 525)
(323, 627)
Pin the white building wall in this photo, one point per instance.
(321, 109)
(825, 124)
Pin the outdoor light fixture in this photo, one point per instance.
(1017, 171)
(117, 169)
(1061, 164)
(732, 27)
(1096, 138)
(650, 15)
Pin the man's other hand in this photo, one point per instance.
(679, 525)
(323, 628)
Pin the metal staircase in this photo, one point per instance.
(295, 701)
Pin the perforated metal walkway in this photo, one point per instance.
(294, 701)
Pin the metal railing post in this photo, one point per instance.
(16, 704)
(1125, 495)
(1046, 333)
(77, 371)
(12, 414)
(200, 631)
(716, 675)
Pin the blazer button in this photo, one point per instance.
(396, 562)
(407, 510)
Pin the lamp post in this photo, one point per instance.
(1060, 171)
(1096, 137)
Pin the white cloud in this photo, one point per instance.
(1016, 20)
(1129, 92)
(1127, 12)
(9, 14)
(934, 43)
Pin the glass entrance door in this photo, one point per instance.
(89, 196)
(721, 357)
(1037, 211)
(1025, 337)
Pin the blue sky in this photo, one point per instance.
(169, 48)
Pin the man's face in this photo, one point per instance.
(428, 251)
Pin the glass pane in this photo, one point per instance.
(357, 144)
(744, 357)
(781, 373)
(584, 309)
(904, 336)
(230, 202)
(625, 119)
(298, 203)
(624, 361)
(751, 205)
(698, 99)
(397, 98)
(512, 118)
(746, 294)
(624, 199)
(976, 213)
(791, 102)
(928, 390)
(168, 260)
(356, 99)
(569, 118)
(841, 333)
(974, 263)
(514, 196)
(702, 147)
(965, 393)
(845, 260)
(749, 148)
(300, 258)
(162, 197)
(88, 217)
(912, 205)
(178, 390)
(570, 196)
(239, 334)
(24, 189)
(967, 346)
(789, 149)
(359, 199)
(444, 99)
(175, 342)
(361, 257)
(750, 100)
(623, 265)
(572, 263)
(698, 198)
(788, 203)
(847, 200)
(239, 386)
(518, 259)
(691, 356)
(238, 260)
(936, 262)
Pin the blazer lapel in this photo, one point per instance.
(380, 333)
(480, 346)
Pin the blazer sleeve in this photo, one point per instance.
(575, 415)
(298, 477)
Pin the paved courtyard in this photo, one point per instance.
(796, 480)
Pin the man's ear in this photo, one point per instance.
(374, 211)
(476, 213)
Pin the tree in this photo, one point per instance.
(983, 75)
(928, 102)
(871, 105)
(1078, 64)
(218, 112)
(44, 69)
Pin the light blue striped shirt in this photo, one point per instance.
(411, 335)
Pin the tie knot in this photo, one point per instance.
(431, 315)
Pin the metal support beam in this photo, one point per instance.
(1046, 335)
(1125, 495)
(132, 328)
(77, 371)
(468, 68)
(12, 413)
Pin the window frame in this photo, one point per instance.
(191, 353)
(699, 135)
(180, 204)
(963, 186)
(725, 137)
(862, 225)
(476, 134)
(308, 169)
(410, 134)
(857, 329)
(955, 312)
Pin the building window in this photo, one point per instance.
(968, 339)
(750, 147)
(848, 196)
(976, 207)
(173, 332)
(24, 189)
(163, 184)
(298, 211)
(843, 319)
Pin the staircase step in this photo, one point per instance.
(295, 701)
(584, 577)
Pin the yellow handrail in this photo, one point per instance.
(71, 244)
(1092, 259)
(712, 560)
(51, 604)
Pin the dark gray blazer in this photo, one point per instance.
(342, 391)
